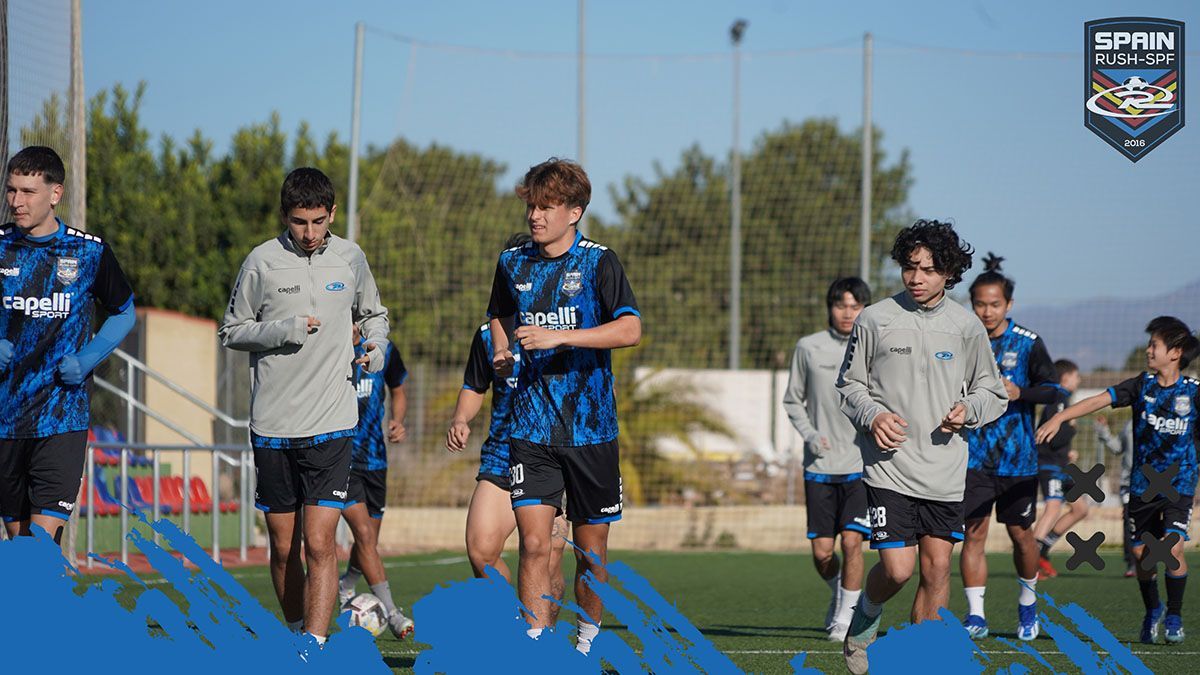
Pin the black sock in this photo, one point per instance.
(1149, 589)
(1175, 586)
(1048, 543)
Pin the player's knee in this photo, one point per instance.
(535, 546)
(935, 569)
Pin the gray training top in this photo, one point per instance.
(813, 404)
(918, 363)
(303, 383)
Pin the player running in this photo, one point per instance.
(1165, 430)
(918, 372)
(368, 480)
(51, 276)
(834, 495)
(1122, 446)
(1053, 458)
(569, 302)
(293, 308)
(1003, 465)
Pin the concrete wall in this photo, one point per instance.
(184, 349)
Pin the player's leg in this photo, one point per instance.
(1147, 517)
(1126, 539)
(490, 521)
(1015, 509)
(933, 593)
(594, 500)
(591, 556)
(375, 483)
(562, 530)
(978, 497)
(14, 484)
(55, 471)
(1050, 482)
(356, 509)
(365, 540)
(324, 477)
(854, 525)
(535, 524)
(276, 493)
(1176, 519)
(821, 507)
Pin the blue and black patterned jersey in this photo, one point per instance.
(370, 447)
(564, 396)
(1006, 447)
(479, 376)
(49, 288)
(1053, 455)
(1164, 428)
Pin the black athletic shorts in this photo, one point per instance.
(1014, 496)
(502, 482)
(1158, 517)
(41, 475)
(370, 488)
(899, 520)
(834, 506)
(590, 475)
(1053, 482)
(316, 476)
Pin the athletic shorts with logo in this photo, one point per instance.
(589, 475)
(1014, 497)
(901, 520)
(41, 475)
(835, 503)
(1158, 517)
(316, 475)
(1054, 482)
(370, 488)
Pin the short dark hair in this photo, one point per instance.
(517, 239)
(305, 188)
(993, 277)
(1175, 335)
(38, 160)
(951, 255)
(1064, 367)
(556, 181)
(852, 285)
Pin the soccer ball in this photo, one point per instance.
(1135, 83)
(367, 611)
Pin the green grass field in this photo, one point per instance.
(760, 609)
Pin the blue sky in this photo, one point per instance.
(985, 97)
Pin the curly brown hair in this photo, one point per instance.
(951, 255)
(556, 181)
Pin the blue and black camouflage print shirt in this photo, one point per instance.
(478, 377)
(370, 447)
(1164, 428)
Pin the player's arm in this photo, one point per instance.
(111, 290)
(502, 310)
(794, 402)
(886, 427)
(986, 398)
(394, 375)
(241, 329)
(477, 377)
(1119, 396)
(1042, 375)
(371, 317)
(620, 321)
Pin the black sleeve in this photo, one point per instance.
(478, 375)
(1066, 433)
(1124, 394)
(111, 289)
(394, 372)
(1042, 376)
(616, 296)
(502, 304)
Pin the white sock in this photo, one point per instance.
(384, 593)
(1028, 593)
(296, 626)
(846, 602)
(349, 580)
(534, 633)
(975, 600)
(586, 632)
(320, 639)
(834, 581)
(870, 609)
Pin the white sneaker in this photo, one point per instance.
(344, 596)
(401, 625)
(838, 632)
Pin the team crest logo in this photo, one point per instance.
(572, 282)
(68, 270)
(1009, 360)
(1183, 405)
(1133, 82)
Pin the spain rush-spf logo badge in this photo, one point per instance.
(1133, 82)
(68, 270)
(572, 283)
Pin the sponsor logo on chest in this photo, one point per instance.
(10, 271)
(564, 318)
(289, 290)
(57, 306)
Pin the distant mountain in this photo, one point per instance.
(1101, 332)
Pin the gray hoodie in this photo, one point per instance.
(918, 363)
(812, 403)
(303, 383)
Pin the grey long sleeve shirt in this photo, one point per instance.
(813, 405)
(918, 362)
(303, 383)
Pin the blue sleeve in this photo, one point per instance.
(111, 333)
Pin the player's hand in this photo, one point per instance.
(536, 337)
(822, 445)
(396, 431)
(1048, 430)
(70, 370)
(365, 359)
(1014, 392)
(1072, 456)
(503, 362)
(6, 354)
(456, 437)
(313, 322)
(888, 430)
(954, 420)
(1100, 422)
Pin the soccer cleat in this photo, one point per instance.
(1150, 625)
(401, 625)
(1174, 631)
(976, 626)
(345, 595)
(1130, 572)
(1027, 622)
(838, 632)
(859, 635)
(1045, 569)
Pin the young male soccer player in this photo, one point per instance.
(293, 306)
(1122, 446)
(1003, 466)
(833, 491)
(368, 480)
(51, 275)
(918, 372)
(1053, 458)
(1165, 434)
(570, 303)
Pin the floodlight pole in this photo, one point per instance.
(735, 205)
(868, 167)
(355, 131)
(580, 134)
(77, 178)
